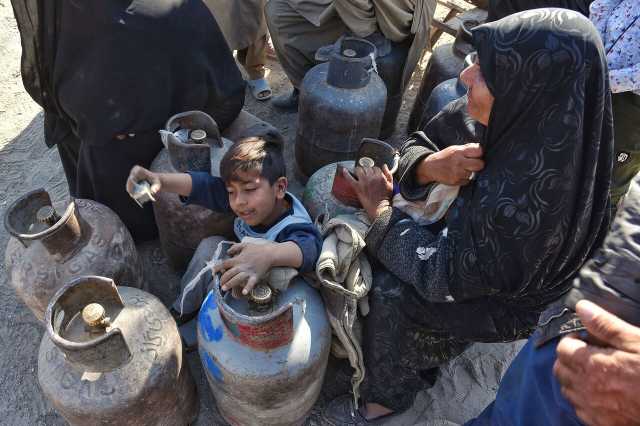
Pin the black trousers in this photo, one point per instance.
(100, 173)
(407, 337)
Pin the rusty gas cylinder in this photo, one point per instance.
(180, 227)
(265, 356)
(341, 102)
(318, 198)
(113, 356)
(48, 248)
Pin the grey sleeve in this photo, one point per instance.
(611, 278)
(412, 253)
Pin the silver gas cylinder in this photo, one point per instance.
(265, 358)
(48, 248)
(113, 356)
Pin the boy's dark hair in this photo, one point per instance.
(253, 153)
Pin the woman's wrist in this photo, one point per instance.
(375, 211)
(423, 172)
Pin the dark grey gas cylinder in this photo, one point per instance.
(441, 95)
(446, 62)
(341, 102)
(113, 356)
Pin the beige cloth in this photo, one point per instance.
(345, 280)
(241, 21)
(396, 19)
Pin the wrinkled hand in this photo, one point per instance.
(602, 382)
(138, 174)
(374, 188)
(247, 266)
(451, 166)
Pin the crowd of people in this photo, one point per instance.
(529, 248)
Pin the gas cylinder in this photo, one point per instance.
(180, 227)
(113, 356)
(317, 197)
(265, 357)
(47, 249)
(341, 102)
(446, 62)
(391, 67)
(440, 96)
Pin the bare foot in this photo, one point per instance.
(371, 411)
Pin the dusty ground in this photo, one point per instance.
(26, 164)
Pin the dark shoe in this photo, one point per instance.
(189, 335)
(342, 411)
(288, 102)
(182, 318)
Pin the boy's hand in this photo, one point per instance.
(138, 174)
(249, 264)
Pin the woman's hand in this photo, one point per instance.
(452, 166)
(374, 187)
(138, 174)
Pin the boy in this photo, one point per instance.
(253, 185)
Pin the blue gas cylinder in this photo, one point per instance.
(265, 362)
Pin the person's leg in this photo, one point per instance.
(626, 122)
(399, 346)
(188, 302)
(103, 172)
(401, 351)
(68, 148)
(296, 40)
(255, 58)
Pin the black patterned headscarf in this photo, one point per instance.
(531, 218)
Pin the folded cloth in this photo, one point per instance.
(433, 208)
(345, 279)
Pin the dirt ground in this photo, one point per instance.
(26, 164)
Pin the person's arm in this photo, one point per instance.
(422, 165)
(601, 382)
(177, 183)
(251, 262)
(193, 188)
(209, 192)
(308, 239)
(625, 79)
(411, 252)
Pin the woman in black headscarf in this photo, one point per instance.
(108, 75)
(516, 234)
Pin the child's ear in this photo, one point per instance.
(281, 187)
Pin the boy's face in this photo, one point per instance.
(253, 199)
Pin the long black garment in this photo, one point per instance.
(110, 73)
(516, 235)
(498, 9)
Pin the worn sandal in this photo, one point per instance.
(260, 89)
